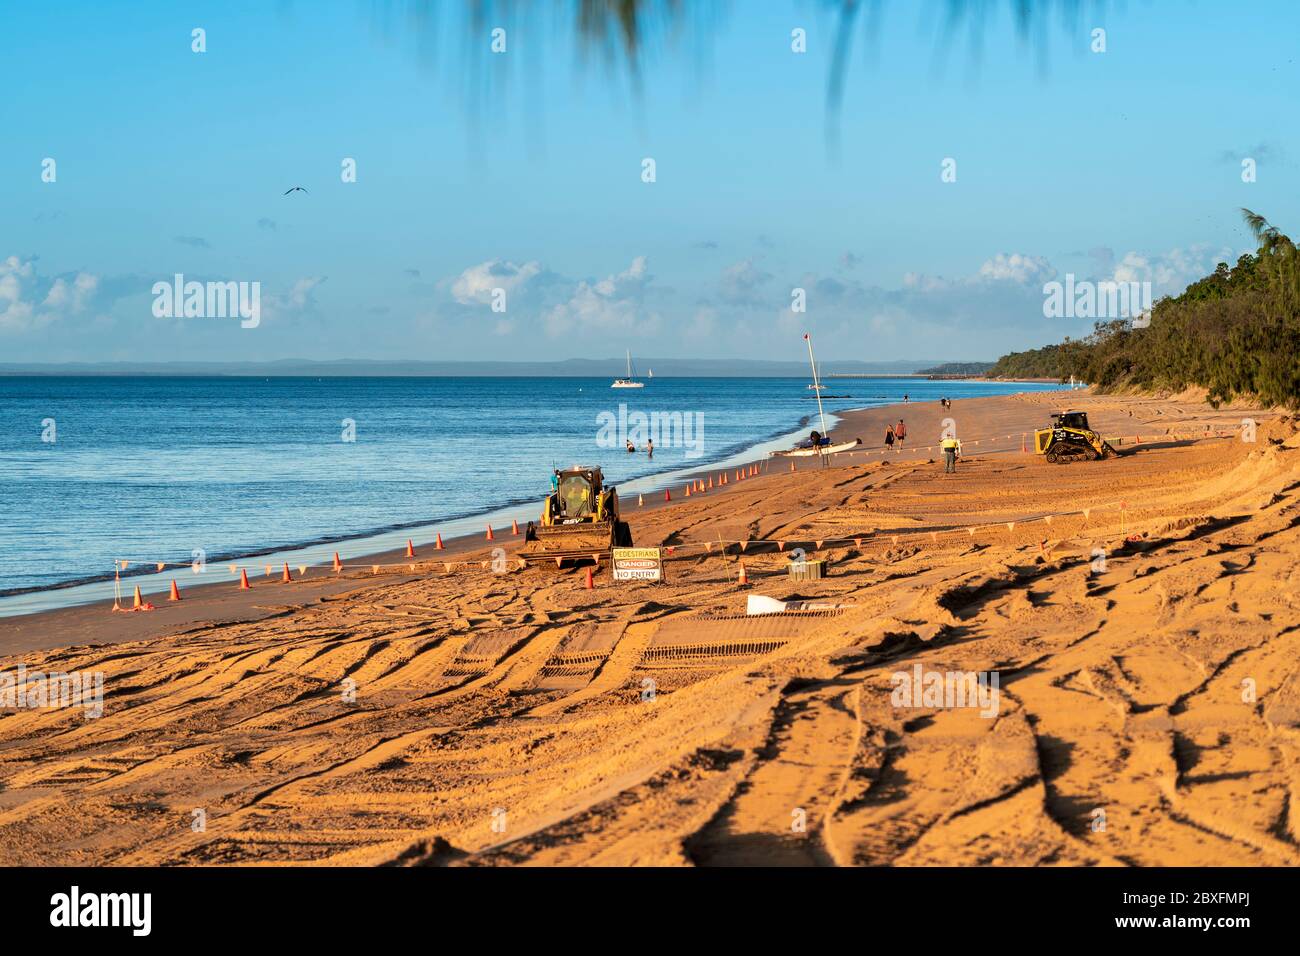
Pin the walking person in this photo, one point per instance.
(900, 432)
(951, 451)
(889, 437)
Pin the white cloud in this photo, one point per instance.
(1171, 272)
(300, 293)
(28, 300)
(741, 281)
(300, 298)
(474, 286)
(72, 295)
(615, 302)
(1027, 270)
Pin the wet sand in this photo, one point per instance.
(473, 717)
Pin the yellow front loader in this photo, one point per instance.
(580, 519)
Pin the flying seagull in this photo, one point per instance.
(296, 189)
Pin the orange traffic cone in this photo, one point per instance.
(410, 548)
(139, 601)
(792, 466)
(514, 526)
(743, 578)
(243, 580)
(667, 495)
(640, 501)
(438, 546)
(489, 536)
(591, 580)
(176, 592)
(338, 565)
(285, 578)
(1024, 448)
(710, 482)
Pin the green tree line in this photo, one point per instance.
(1236, 332)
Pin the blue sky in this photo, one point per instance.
(522, 171)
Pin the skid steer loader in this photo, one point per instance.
(1070, 439)
(579, 520)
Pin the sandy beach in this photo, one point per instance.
(1140, 614)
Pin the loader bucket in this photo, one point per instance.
(569, 541)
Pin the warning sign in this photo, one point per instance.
(638, 564)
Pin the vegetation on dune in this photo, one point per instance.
(1235, 333)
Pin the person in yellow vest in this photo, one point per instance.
(951, 446)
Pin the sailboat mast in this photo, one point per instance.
(817, 385)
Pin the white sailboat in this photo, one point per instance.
(628, 382)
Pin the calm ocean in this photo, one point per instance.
(150, 469)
